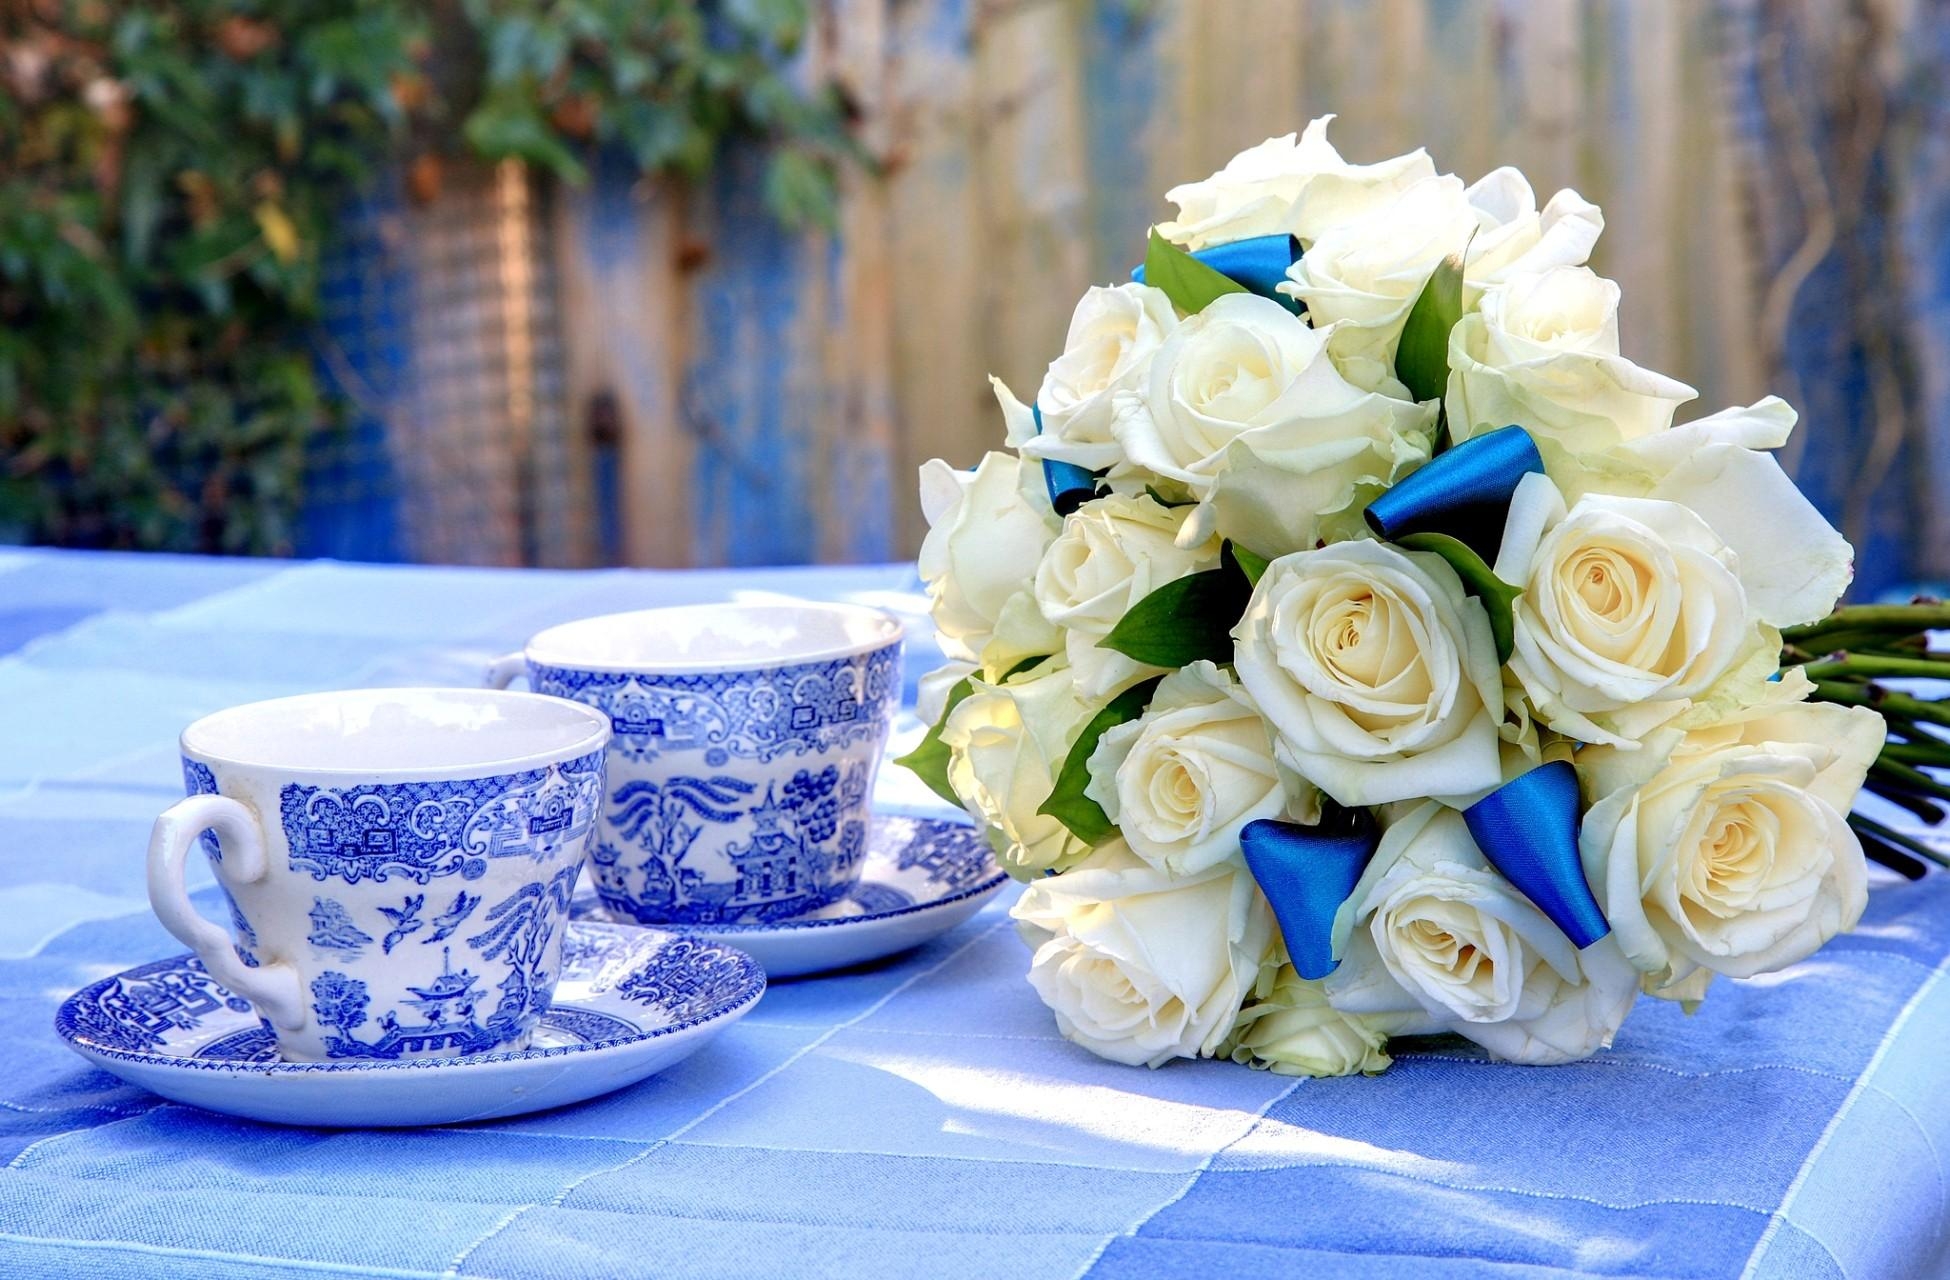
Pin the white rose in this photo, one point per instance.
(1114, 332)
(1377, 672)
(1183, 779)
(1301, 187)
(1727, 848)
(1794, 564)
(1112, 553)
(987, 531)
(1140, 966)
(1631, 608)
(1542, 352)
(932, 690)
(1244, 407)
(1364, 277)
(1514, 239)
(1294, 1031)
(1433, 928)
(1008, 743)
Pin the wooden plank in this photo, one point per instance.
(851, 328)
(622, 309)
(937, 243)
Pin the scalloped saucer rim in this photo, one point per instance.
(898, 904)
(615, 1021)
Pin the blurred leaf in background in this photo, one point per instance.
(169, 176)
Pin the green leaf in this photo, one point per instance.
(1152, 492)
(1067, 804)
(1498, 596)
(1188, 618)
(929, 760)
(1250, 563)
(1422, 359)
(1189, 283)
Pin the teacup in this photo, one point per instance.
(742, 764)
(398, 863)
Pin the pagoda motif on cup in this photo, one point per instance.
(776, 866)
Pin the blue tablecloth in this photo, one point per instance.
(920, 1118)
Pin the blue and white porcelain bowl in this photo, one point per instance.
(746, 738)
(398, 863)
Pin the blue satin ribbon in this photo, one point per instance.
(1528, 829)
(1258, 264)
(1306, 874)
(1069, 485)
(1464, 491)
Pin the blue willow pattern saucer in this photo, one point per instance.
(922, 877)
(630, 1002)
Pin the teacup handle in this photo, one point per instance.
(502, 671)
(275, 989)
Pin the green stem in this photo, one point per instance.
(1854, 664)
(1914, 779)
(1896, 838)
(1880, 699)
(1895, 793)
(1934, 752)
(1873, 617)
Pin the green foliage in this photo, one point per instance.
(1067, 803)
(1189, 283)
(170, 173)
(1191, 617)
(1499, 597)
(929, 760)
(1422, 359)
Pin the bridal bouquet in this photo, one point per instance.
(1350, 645)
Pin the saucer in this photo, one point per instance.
(922, 877)
(630, 1003)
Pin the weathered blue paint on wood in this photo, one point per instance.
(772, 393)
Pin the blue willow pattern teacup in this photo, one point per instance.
(397, 863)
(745, 743)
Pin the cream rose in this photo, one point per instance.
(987, 531)
(1299, 186)
(1631, 608)
(1183, 779)
(1513, 238)
(1114, 332)
(1543, 352)
(1377, 672)
(1244, 407)
(1140, 966)
(1793, 563)
(1008, 743)
(1433, 928)
(1363, 277)
(1294, 1031)
(1112, 553)
(1727, 848)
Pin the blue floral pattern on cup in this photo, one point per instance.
(422, 831)
(735, 796)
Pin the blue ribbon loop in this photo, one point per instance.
(1258, 264)
(1464, 491)
(1069, 485)
(1528, 829)
(1306, 874)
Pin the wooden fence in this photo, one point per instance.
(1774, 176)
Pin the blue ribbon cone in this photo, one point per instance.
(1258, 264)
(1306, 874)
(1464, 491)
(1069, 485)
(1528, 829)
